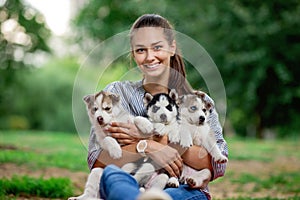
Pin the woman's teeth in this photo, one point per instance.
(152, 66)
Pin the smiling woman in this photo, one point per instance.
(56, 12)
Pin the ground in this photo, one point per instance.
(220, 189)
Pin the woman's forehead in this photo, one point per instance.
(148, 36)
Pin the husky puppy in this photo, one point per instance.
(104, 108)
(162, 111)
(195, 130)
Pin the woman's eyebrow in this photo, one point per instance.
(153, 44)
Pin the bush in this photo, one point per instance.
(27, 186)
(41, 99)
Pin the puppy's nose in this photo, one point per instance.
(201, 119)
(100, 120)
(163, 117)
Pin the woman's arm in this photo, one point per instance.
(158, 150)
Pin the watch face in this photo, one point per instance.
(142, 146)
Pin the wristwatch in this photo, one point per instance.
(141, 147)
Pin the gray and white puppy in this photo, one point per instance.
(195, 130)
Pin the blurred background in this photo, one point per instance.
(44, 44)
(255, 45)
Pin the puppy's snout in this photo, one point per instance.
(163, 117)
(201, 119)
(100, 120)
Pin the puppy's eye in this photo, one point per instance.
(204, 110)
(94, 109)
(155, 109)
(193, 108)
(169, 107)
(107, 108)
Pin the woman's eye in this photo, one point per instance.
(157, 47)
(140, 50)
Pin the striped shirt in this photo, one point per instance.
(131, 96)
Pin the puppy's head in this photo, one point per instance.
(194, 109)
(100, 107)
(162, 108)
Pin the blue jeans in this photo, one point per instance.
(115, 184)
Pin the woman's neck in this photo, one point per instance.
(155, 88)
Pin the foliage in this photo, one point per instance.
(24, 185)
(23, 33)
(44, 100)
(255, 44)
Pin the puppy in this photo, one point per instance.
(162, 111)
(195, 130)
(104, 108)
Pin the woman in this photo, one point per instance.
(155, 52)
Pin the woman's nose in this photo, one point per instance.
(150, 55)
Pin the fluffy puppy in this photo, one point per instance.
(162, 111)
(104, 108)
(195, 130)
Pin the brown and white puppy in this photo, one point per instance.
(104, 108)
(195, 130)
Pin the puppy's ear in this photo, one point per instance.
(114, 97)
(208, 106)
(88, 98)
(200, 94)
(181, 99)
(147, 98)
(173, 94)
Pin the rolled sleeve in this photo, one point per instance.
(218, 168)
(94, 149)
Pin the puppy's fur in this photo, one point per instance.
(162, 111)
(104, 108)
(191, 129)
(195, 130)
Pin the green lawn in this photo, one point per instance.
(269, 168)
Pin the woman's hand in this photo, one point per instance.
(166, 157)
(124, 133)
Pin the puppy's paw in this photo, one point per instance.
(221, 159)
(144, 125)
(174, 136)
(159, 129)
(193, 183)
(81, 197)
(115, 152)
(173, 182)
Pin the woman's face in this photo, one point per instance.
(152, 51)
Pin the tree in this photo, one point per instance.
(259, 54)
(22, 33)
(255, 44)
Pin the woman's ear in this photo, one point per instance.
(173, 48)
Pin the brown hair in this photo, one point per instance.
(178, 74)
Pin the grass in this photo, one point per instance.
(39, 150)
(20, 185)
